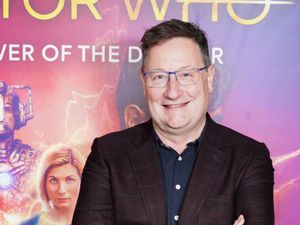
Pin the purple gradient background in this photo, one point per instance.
(262, 61)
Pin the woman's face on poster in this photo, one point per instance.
(62, 186)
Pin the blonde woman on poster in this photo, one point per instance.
(58, 185)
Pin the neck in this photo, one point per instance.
(62, 215)
(178, 138)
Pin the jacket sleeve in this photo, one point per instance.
(254, 197)
(94, 205)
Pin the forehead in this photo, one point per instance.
(174, 54)
(63, 171)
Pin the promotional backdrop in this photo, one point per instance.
(74, 67)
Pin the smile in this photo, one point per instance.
(172, 106)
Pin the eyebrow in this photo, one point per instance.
(181, 68)
(72, 175)
(57, 177)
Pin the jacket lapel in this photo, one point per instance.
(207, 167)
(147, 169)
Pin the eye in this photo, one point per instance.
(158, 76)
(70, 180)
(53, 180)
(186, 74)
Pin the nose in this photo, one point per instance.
(173, 88)
(62, 188)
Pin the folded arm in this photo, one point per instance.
(254, 198)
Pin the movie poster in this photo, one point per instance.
(70, 72)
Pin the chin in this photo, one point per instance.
(177, 125)
(177, 122)
(63, 205)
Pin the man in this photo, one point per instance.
(180, 167)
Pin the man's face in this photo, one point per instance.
(7, 120)
(175, 108)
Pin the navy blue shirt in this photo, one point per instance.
(177, 170)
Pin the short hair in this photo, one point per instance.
(173, 28)
(57, 155)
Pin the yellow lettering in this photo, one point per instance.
(160, 15)
(186, 4)
(5, 9)
(89, 3)
(214, 12)
(240, 20)
(47, 16)
(230, 10)
(133, 13)
(185, 9)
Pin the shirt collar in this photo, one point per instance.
(196, 142)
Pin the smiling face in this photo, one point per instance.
(62, 186)
(177, 109)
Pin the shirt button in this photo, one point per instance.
(179, 158)
(176, 217)
(177, 186)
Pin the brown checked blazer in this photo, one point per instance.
(122, 182)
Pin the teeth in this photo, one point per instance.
(174, 106)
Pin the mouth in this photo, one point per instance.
(175, 106)
(62, 200)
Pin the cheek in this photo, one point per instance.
(153, 95)
(195, 92)
(201, 90)
(50, 189)
(74, 188)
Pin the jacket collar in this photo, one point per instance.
(208, 165)
(147, 169)
(148, 173)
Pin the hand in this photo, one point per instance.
(240, 220)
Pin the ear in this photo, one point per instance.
(210, 77)
(133, 115)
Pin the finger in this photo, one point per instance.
(240, 220)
